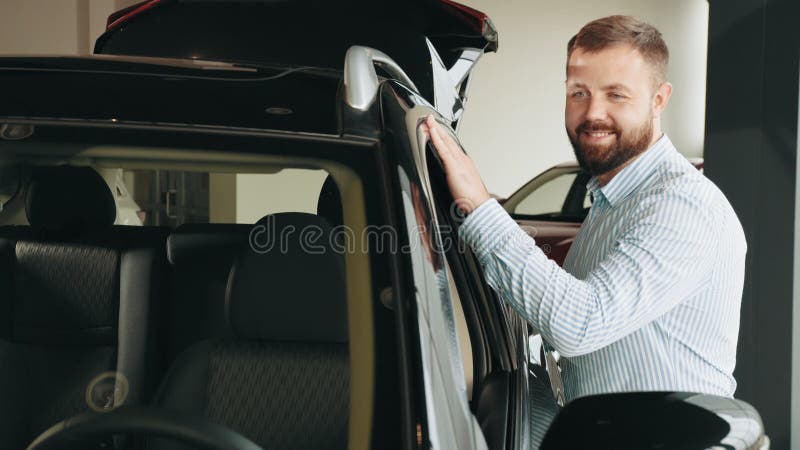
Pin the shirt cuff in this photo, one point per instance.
(488, 227)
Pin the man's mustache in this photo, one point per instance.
(596, 126)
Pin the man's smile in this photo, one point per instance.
(597, 136)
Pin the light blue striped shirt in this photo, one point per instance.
(651, 289)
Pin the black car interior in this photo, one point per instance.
(200, 257)
(170, 316)
(281, 373)
(78, 297)
(163, 317)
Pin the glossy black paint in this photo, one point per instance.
(128, 91)
(498, 376)
(655, 420)
(299, 33)
(397, 147)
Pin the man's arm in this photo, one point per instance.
(662, 258)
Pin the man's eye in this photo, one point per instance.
(578, 94)
(617, 96)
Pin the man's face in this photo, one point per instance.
(610, 108)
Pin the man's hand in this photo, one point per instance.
(463, 178)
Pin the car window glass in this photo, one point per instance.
(548, 198)
(450, 423)
(288, 190)
(464, 342)
(175, 197)
(474, 283)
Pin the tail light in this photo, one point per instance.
(476, 20)
(123, 15)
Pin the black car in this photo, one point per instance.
(436, 42)
(296, 283)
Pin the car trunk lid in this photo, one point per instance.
(436, 42)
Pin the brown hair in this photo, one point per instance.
(602, 33)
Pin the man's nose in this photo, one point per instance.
(596, 109)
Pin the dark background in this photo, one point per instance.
(751, 153)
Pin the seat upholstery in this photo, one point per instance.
(282, 380)
(201, 257)
(76, 302)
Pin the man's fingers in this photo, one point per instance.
(452, 144)
(448, 142)
(433, 129)
(436, 136)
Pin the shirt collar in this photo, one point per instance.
(632, 176)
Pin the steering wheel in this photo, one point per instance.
(139, 420)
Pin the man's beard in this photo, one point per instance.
(600, 159)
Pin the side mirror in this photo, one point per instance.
(656, 420)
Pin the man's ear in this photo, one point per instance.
(661, 98)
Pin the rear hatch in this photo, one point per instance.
(436, 42)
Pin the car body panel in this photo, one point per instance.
(673, 420)
(200, 95)
(437, 42)
(448, 421)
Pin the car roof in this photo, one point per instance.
(304, 32)
(170, 91)
(566, 165)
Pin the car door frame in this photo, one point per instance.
(403, 175)
(508, 330)
(502, 333)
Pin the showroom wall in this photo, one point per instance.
(54, 26)
(514, 121)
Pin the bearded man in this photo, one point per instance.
(650, 292)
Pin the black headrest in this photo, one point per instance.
(206, 243)
(68, 197)
(329, 204)
(288, 284)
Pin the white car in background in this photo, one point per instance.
(128, 212)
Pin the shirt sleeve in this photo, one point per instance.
(662, 258)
